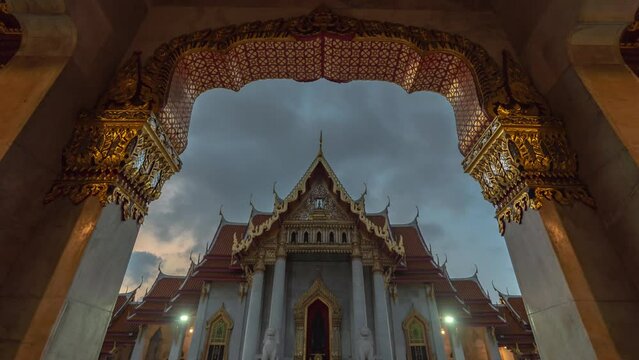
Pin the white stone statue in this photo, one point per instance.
(269, 347)
(365, 345)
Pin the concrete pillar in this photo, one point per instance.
(437, 339)
(359, 300)
(199, 325)
(383, 341)
(141, 343)
(277, 301)
(250, 347)
(177, 341)
(455, 343)
(579, 301)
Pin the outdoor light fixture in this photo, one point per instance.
(449, 319)
(443, 332)
(184, 318)
(191, 331)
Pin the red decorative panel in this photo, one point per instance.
(332, 58)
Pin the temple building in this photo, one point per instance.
(319, 277)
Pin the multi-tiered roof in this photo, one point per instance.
(465, 298)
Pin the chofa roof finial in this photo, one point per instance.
(320, 152)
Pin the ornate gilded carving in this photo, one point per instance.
(157, 77)
(318, 291)
(521, 159)
(516, 94)
(120, 156)
(395, 246)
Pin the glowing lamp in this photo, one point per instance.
(191, 331)
(184, 318)
(443, 332)
(449, 319)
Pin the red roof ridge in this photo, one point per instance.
(475, 278)
(223, 222)
(505, 300)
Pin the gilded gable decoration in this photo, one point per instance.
(281, 207)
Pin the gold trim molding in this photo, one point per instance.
(522, 159)
(318, 291)
(120, 156)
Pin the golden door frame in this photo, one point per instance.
(413, 315)
(318, 291)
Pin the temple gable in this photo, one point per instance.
(318, 203)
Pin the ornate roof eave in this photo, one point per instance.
(515, 313)
(253, 231)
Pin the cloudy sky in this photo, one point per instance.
(401, 145)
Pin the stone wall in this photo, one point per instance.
(226, 294)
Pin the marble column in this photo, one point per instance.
(86, 312)
(275, 321)
(455, 343)
(250, 347)
(435, 324)
(491, 344)
(588, 308)
(358, 298)
(177, 341)
(141, 343)
(383, 341)
(199, 324)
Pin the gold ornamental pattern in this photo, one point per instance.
(522, 159)
(281, 206)
(321, 44)
(120, 156)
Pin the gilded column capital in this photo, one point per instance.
(121, 156)
(281, 251)
(377, 263)
(356, 251)
(259, 264)
(520, 160)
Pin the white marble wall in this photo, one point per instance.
(336, 272)
(415, 297)
(227, 294)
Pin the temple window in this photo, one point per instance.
(219, 331)
(344, 238)
(319, 203)
(305, 236)
(415, 332)
(318, 237)
(293, 237)
(331, 237)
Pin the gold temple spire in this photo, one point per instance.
(320, 152)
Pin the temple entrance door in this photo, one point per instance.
(317, 331)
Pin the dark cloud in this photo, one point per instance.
(402, 145)
(142, 266)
